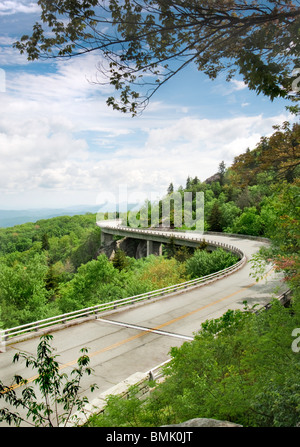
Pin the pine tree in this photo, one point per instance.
(221, 172)
(119, 260)
(45, 242)
(170, 188)
(188, 183)
(215, 218)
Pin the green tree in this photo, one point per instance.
(249, 222)
(188, 184)
(244, 199)
(51, 281)
(152, 41)
(215, 218)
(95, 282)
(183, 253)
(229, 213)
(239, 367)
(170, 188)
(236, 369)
(203, 263)
(119, 260)
(171, 247)
(158, 272)
(23, 295)
(221, 172)
(59, 395)
(88, 249)
(45, 242)
(284, 230)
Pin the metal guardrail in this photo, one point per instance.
(284, 299)
(157, 372)
(32, 328)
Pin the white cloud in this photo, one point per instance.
(58, 139)
(238, 85)
(9, 55)
(9, 7)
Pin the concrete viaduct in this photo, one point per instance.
(154, 238)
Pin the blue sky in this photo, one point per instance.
(61, 145)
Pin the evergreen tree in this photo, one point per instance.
(188, 183)
(195, 181)
(45, 242)
(170, 188)
(221, 172)
(171, 247)
(215, 218)
(119, 260)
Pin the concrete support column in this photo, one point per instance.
(158, 248)
(149, 248)
(154, 248)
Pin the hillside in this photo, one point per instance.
(10, 218)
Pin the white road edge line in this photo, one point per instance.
(141, 328)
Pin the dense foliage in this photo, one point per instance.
(36, 259)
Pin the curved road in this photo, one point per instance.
(117, 351)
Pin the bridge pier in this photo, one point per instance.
(154, 248)
(144, 247)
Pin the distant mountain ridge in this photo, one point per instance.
(10, 218)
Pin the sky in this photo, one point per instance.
(62, 146)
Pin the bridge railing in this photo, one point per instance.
(30, 329)
(179, 233)
(160, 232)
(179, 236)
